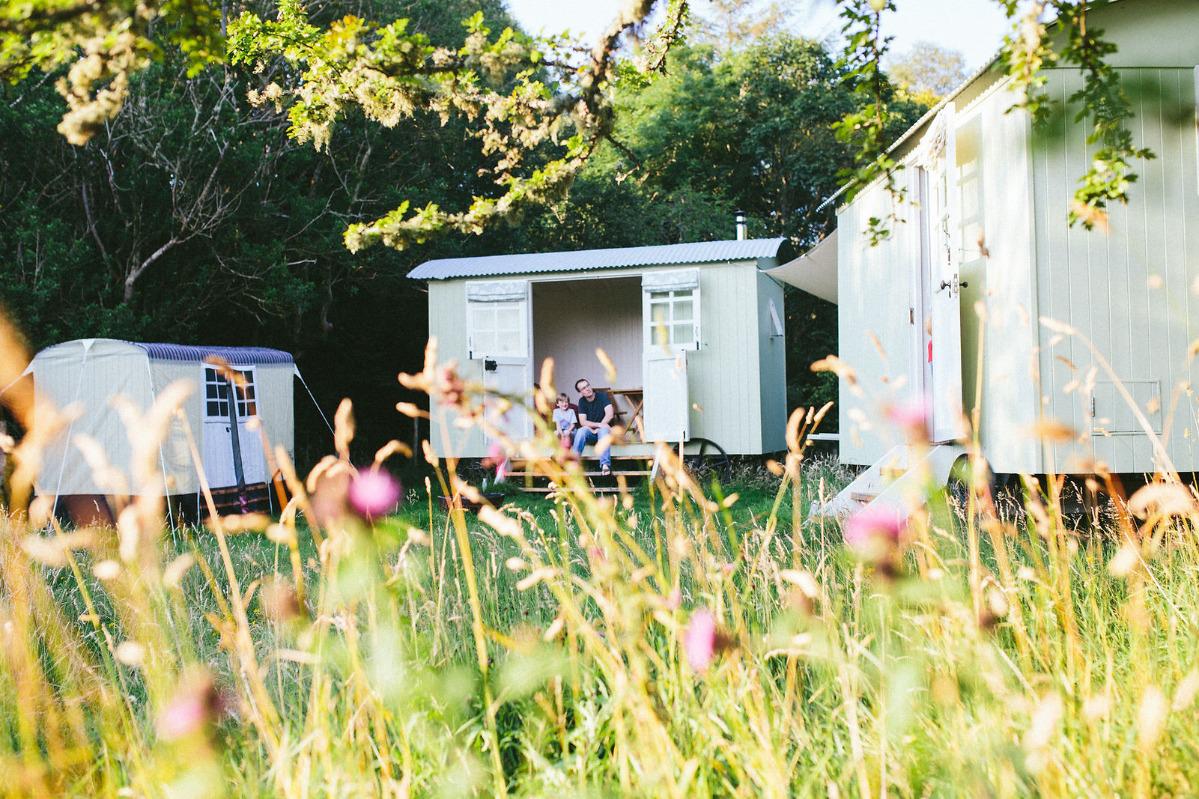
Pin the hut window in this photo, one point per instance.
(673, 319)
(497, 329)
(216, 395)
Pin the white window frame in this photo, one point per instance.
(476, 337)
(675, 297)
(247, 403)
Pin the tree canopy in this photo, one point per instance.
(928, 71)
(216, 159)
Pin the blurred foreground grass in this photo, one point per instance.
(675, 640)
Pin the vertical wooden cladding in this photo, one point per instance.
(772, 366)
(1128, 290)
(874, 329)
(725, 373)
(997, 260)
(728, 375)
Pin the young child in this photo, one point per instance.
(566, 421)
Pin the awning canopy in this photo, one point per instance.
(814, 272)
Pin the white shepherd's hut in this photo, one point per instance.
(228, 424)
(693, 331)
(984, 299)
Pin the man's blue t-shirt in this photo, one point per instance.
(593, 409)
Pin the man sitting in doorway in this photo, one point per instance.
(595, 416)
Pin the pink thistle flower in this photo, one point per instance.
(497, 458)
(374, 493)
(699, 640)
(911, 417)
(875, 532)
(673, 600)
(195, 705)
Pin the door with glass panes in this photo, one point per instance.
(499, 336)
(233, 454)
(670, 303)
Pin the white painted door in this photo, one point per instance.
(940, 231)
(232, 452)
(499, 332)
(671, 312)
(667, 414)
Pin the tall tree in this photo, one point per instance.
(751, 129)
(928, 71)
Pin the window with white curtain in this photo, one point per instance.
(497, 329)
(673, 319)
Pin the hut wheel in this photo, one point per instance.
(709, 461)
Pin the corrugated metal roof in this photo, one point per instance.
(699, 252)
(238, 356)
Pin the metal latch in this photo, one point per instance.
(490, 365)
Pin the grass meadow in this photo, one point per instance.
(678, 639)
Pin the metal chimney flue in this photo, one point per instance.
(742, 225)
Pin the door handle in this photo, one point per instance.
(945, 284)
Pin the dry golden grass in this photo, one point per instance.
(670, 641)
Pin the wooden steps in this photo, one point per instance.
(596, 473)
(631, 470)
(229, 500)
(547, 490)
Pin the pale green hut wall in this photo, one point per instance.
(772, 366)
(447, 324)
(1148, 33)
(874, 332)
(93, 376)
(877, 337)
(1129, 290)
(726, 374)
(996, 261)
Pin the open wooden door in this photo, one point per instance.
(672, 328)
(941, 277)
(499, 336)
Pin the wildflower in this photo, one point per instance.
(374, 493)
(911, 417)
(195, 705)
(699, 640)
(875, 531)
(497, 458)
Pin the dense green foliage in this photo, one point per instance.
(192, 216)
